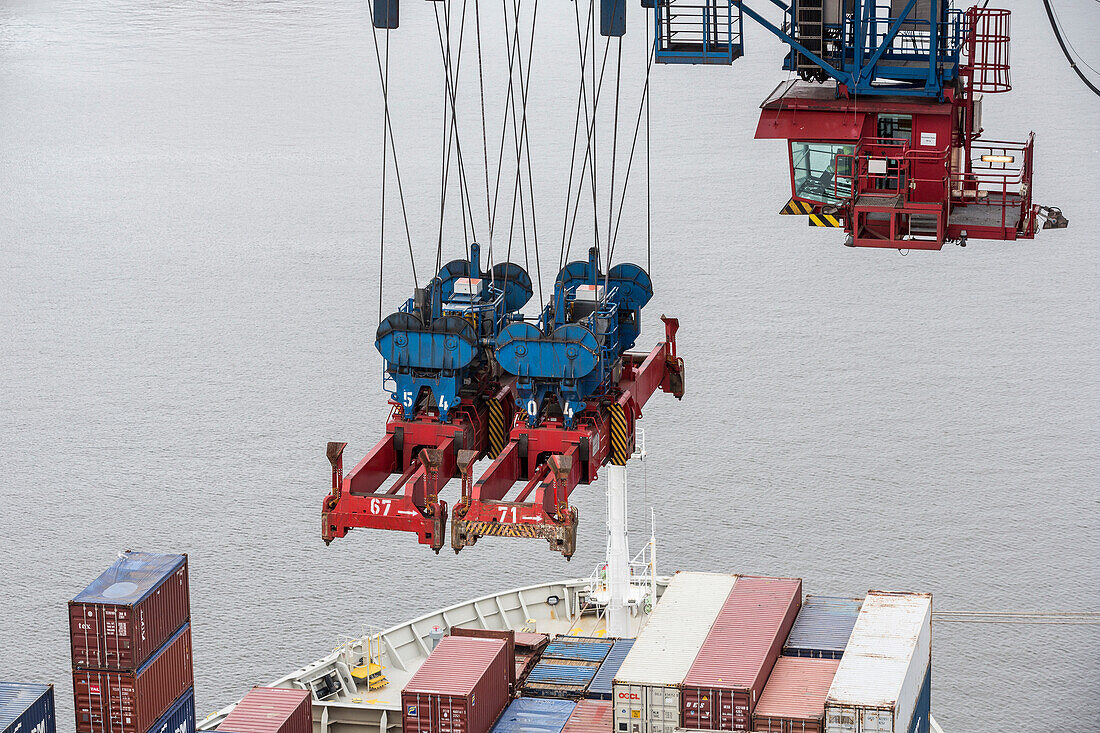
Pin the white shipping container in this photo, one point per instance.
(647, 686)
(879, 686)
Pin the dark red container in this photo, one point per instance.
(462, 687)
(590, 716)
(794, 698)
(109, 701)
(129, 611)
(727, 677)
(509, 639)
(271, 710)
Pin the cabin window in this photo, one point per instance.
(896, 127)
(821, 171)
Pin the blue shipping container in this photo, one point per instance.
(922, 714)
(27, 708)
(534, 715)
(600, 688)
(180, 718)
(131, 578)
(823, 627)
(578, 649)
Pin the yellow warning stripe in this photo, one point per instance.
(496, 428)
(500, 529)
(798, 208)
(620, 442)
(824, 220)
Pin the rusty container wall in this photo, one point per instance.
(271, 710)
(726, 679)
(590, 716)
(112, 701)
(462, 687)
(794, 697)
(129, 611)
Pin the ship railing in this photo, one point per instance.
(1000, 177)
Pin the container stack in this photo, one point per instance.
(823, 627)
(647, 685)
(601, 687)
(567, 667)
(130, 636)
(590, 716)
(535, 715)
(271, 710)
(462, 687)
(883, 680)
(727, 677)
(794, 697)
(27, 708)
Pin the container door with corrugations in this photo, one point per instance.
(876, 721)
(663, 704)
(630, 708)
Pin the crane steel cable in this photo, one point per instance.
(484, 132)
(590, 130)
(581, 101)
(1065, 51)
(614, 151)
(385, 165)
(642, 105)
(383, 77)
(648, 179)
(1041, 618)
(450, 134)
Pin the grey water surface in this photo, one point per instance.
(189, 287)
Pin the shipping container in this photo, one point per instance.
(534, 715)
(726, 679)
(883, 681)
(525, 662)
(601, 686)
(27, 707)
(271, 710)
(113, 701)
(461, 687)
(509, 639)
(567, 681)
(531, 641)
(646, 690)
(585, 649)
(822, 628)
(590, 716)
(180, 718)
(129, 611)
(793, 700)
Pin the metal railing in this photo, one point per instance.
(1000, 177)
(710, 31)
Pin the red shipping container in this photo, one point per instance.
(109, 701)
(590, 716)
(271, 710)
(725, 680)
(129, 611)
(462, 687)
(793, 701)
(509, 639)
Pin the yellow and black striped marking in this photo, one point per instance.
(620, 442)
(497, 433)
(824, 220)
(797, 208)
(502, 529)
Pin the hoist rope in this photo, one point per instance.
(484, 135)
(1065, 51)
(614, 158)
(450, 135)
(385, 165)
(590, 125)
(383, 77)
(648, 178)
(1069, 618)
(581, 103)
(630, 160)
